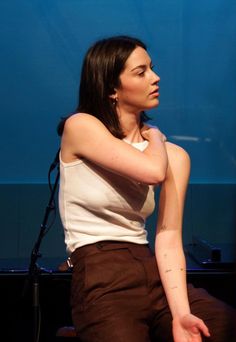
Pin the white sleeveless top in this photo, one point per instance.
(97, 205)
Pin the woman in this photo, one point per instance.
(110, 163)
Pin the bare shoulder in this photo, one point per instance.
(82, 121)
(81, 133)
(84, 135)
(177, 151)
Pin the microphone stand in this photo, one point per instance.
(34, 269)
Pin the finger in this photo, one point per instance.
(204, 329)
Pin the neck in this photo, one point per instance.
(130, 124)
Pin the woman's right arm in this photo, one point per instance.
(86, 137)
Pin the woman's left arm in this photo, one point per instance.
(168, 247)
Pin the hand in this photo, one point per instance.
(148, 131)
(188, 328)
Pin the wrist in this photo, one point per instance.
(179, 315)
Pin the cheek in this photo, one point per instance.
(135, 89)
(134, 95)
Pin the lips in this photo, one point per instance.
(155, 92)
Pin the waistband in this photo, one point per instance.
(138, 250)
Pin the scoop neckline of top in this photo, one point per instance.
(135, 143)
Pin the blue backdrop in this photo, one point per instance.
(193, 47)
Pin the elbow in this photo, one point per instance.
(156, 177)
(162, 174)
(160, 178)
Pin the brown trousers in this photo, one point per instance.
(117, 296)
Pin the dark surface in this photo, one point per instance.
(54, 287)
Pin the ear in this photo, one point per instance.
(114, 96)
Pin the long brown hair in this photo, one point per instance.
(100, 75)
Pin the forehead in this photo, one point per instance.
(138, 57)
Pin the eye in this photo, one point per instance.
(141, 73)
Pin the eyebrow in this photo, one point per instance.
(142, 66)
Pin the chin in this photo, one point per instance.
(154, 104)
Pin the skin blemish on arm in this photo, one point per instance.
(174, 287)
(168, 270)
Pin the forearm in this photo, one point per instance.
(168, 244)
(172, 267)
(168, 247)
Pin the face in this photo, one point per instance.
(139, 83)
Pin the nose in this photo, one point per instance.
(155, 78)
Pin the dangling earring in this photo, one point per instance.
(114, 101)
